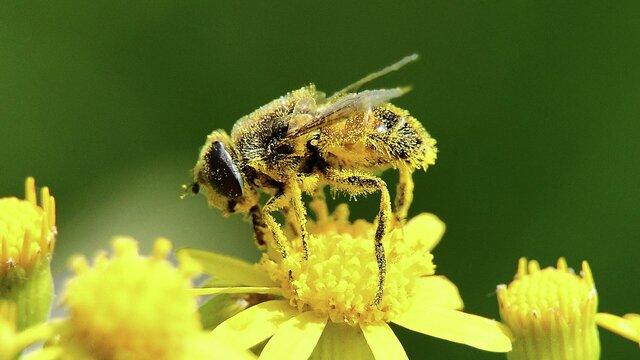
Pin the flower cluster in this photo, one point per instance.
(124, 305)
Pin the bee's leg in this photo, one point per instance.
(404, 195)
(274, 204)
(359, 184)
(260, 229)
(291, 221)
(300, 213)
(319, 205)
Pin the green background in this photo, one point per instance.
(534, 105)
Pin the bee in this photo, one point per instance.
(305, 141)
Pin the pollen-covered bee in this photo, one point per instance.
(304, 141)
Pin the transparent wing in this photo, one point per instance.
(340, 109)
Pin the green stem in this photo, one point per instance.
(32, 292)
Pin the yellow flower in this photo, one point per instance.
(27, 239)
(27, 229)
(627, 326)
(327, 307)
(551, 312)
(132, 307)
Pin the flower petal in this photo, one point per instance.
(426, 226)
(437, 291)
(296, 338)
(47, 353)
(383, 342)
(228, 268)
(632, 317)
(457, 326)
(236, 290)
(342, 341)
(202, 347)
(255, 324)
(621, 326)
(220, 308)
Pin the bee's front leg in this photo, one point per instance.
(291, 222)
(359, 184)
(260, 229)
(319, 205)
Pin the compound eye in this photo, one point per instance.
(223, 175)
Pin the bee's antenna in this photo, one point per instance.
(185, 191)
(393, 67)
(189, 190)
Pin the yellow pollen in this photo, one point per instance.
(551, 312)
(27, 228)
(341, 275)
(129, 306)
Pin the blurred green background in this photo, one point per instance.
(534, 105)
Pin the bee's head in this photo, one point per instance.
(217, 176)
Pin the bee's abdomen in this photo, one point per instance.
(402, 138)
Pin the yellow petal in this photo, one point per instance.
(48, 353)
(437, 291)
(236, 290)
(342, 341)
(635, 320)
(621, 326)
(383, 342)
(255, 324)
(426, 226)
(220, 308)
(222, 351)
(228, 268)
(457, 326)
(296, 338)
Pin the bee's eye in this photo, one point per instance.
(195, 188)
(222, 174)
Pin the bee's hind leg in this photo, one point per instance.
(359, 184)
(404, 195)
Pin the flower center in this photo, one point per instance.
(340, 277)
(537, 292)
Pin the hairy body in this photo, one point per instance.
(302, 142)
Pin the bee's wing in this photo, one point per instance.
(340, 109)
